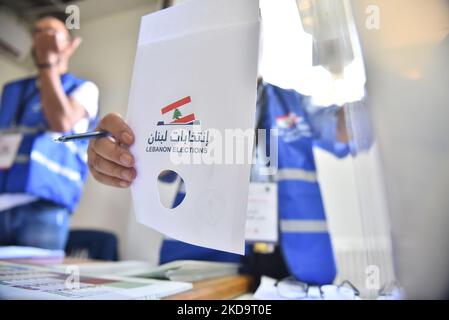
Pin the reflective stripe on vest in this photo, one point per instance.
(23, 129)
(304, 226)
(72, 146)
(296, 174)
(54, 167)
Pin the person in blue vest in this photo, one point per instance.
(41, 181)
(304, 249)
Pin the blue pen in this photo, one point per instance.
(83, 136)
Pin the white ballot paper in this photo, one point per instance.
(194, 79)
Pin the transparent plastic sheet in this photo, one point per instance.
(337, 48)
(372, 201)
(407, 100)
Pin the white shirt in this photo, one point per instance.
(86, 95)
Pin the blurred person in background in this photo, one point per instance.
(42, 184)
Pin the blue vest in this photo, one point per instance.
(304, 238)
(43, 168)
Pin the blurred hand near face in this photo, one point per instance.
(109, 159)
(52, 46)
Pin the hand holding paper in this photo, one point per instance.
(110, 161)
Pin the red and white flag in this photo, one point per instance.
(178, 112)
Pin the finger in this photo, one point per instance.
(74, 44)
(115, 124)
(112, 151)
(112, 169)
(110, 181)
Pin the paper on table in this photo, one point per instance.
(192, 270)
(125, 268)
(202, 56)
(16, 252)
(24, 282)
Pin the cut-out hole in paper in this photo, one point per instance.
(171, 189)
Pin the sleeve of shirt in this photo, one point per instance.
(323, 122)
(87, 95)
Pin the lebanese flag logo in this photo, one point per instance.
(287, 121)
(178, 113)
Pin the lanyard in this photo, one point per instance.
(261, 106)
(261, 115)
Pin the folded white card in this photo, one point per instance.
(195, 72)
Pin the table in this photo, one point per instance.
(216, 289)
(222, 288)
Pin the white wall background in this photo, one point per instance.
(11, 69)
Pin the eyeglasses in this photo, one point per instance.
(36, 31)
(391, 291)
(290, 288)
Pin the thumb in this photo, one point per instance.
(115, 124)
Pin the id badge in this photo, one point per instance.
(262, 214)
(9, 145)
